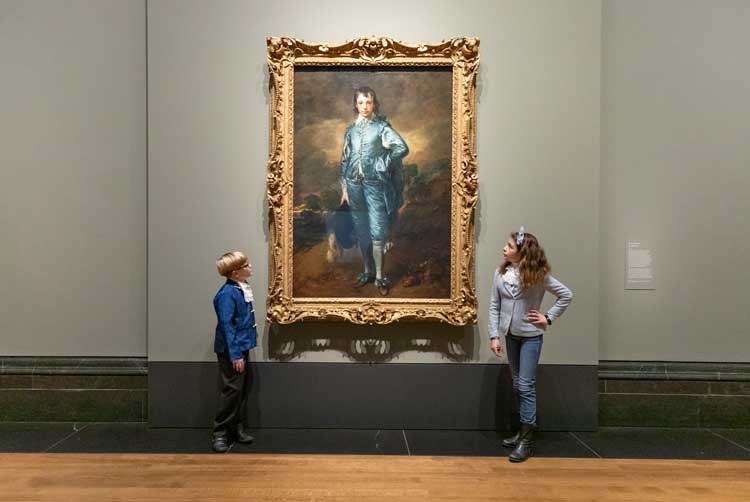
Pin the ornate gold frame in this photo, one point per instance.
(284, 54)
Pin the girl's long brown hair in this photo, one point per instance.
(533, 266)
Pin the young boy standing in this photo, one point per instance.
(235, 337)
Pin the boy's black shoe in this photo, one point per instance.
(244, 437)
(221, 445)
(384, 286)
(363, 279)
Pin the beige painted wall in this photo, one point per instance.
(538, 149)
(674, 161)
(675, 173)
(73, 178)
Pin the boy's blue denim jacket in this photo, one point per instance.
(235, 329)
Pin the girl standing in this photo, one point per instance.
(517, 291)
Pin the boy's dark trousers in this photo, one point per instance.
(232, 406)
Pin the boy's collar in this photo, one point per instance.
(360, 118)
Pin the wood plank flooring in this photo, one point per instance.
(363, 478)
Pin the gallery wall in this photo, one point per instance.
(674, 175)
(74, 167)
(73, 178)
(538, 152)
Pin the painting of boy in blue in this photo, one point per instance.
(371, 183)
(372, 196)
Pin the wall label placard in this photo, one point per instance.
(639, 270)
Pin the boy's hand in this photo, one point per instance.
(239, 365)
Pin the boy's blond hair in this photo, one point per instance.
(229, 262)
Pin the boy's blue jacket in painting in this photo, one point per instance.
(235, 329)
(372, 152)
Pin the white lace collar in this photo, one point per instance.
(511, 275)
(247, 291)
(366, 121)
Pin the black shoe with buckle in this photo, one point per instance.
(384, 286)
(363, 279)
(244, 438)
(220, 445)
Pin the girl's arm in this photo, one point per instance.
(562, 292)
(494, 308)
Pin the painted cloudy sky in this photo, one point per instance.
(417, 104)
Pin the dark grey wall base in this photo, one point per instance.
(69, 389)
(73, 405)
(374, 396)
(674, 371)
(645, 394)
(433, 396)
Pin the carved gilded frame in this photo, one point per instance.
(284, 54)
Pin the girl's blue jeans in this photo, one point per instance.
(523, 359)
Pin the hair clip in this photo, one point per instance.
(521, 236)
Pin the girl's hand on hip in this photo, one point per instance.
(537, 318)
(496, 346)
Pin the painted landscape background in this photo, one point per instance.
(418, 105)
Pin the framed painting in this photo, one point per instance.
(372, 181)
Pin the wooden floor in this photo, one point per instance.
(164, 478)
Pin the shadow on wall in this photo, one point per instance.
(370, 343)
(497, 403)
